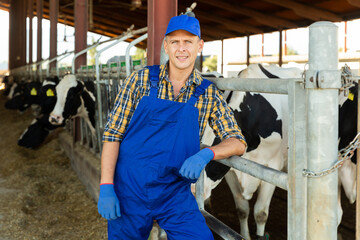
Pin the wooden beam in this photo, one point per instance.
(219, 34)
(268, 20)
(355, 3)
(306, 11)
(229, 24)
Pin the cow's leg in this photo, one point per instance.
(261, 208)
(347, 177)
(339, 208)
(242, 205)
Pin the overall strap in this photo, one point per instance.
(199, 90)
(154, 72)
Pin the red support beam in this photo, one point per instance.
(81, 27)
(39, 14)
(54, 13)
(17, 34)
(31, 16)
(159, 14)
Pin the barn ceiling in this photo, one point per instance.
(218, 19)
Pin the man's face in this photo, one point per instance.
(182, 48)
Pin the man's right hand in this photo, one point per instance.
(108, 204)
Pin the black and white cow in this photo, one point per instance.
(40, 128)
(263, 119)
(75, 98)
(23, 95)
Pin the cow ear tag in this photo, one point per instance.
(351, 96)
(50, 93)
(33, 92)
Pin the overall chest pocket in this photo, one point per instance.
(165, 118)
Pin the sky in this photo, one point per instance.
(234, 49)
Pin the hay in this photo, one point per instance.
(40, 195)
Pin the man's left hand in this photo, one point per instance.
(193, 166)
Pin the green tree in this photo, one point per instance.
(210, 63)
(139, 54)
(291, 51)
(92, 52)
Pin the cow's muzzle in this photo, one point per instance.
(56, 119)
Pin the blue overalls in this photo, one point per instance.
(160, 136)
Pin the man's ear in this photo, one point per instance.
(201, 45)
(165, 46)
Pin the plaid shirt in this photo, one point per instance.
(212, 107)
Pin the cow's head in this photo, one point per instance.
(68, 101)
(48, 95)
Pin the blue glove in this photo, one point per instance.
(193, 166)
(108, 204)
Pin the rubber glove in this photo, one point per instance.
(193, 165)
(108, 204)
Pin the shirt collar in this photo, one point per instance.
(194, 78)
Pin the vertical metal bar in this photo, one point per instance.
(345, 38)
(322, 134)
(159, 14)
(248, 50)
(17, 34)
(81, 27)
(54, 11)
(262, 45)
(31, 15)
(297, 162)
(285, 45)
(280, 48)
(222, 56)
(357, 225)
(39, 13)
(199, 190)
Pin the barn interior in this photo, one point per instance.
(219, 20)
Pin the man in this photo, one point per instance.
(151, 150)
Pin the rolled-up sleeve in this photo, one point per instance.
(124, 107)
(222, 120)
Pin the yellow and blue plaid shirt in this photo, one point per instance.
(212, 106)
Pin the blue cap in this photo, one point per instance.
(184, 22)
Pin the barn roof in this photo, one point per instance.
(218, 19)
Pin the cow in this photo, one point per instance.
(263, 119)
(23, 95)
(40, 128)
(75, 98)
(36, 133)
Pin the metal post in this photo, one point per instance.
(127, 53)
(158, 15)
(357, 224)
(248, 50)
(322, 83)
(39, 14)
(54, 12)
(222, 57)
(297, 162)
(81, 27)
(31, 15)
(280, 48)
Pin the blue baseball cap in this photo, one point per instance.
(184, 22)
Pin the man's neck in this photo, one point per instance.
(178, 75)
